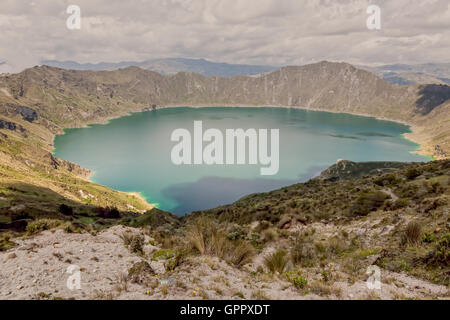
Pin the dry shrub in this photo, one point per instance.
(134, 242)
(277, 261)
(122, 282)
(367, 202)
(37, 226)
(303, 252)
(242, 253)
(209, 238)
(323, 289)
(140, 272)
(413, 232)
(269, 235)
(336, 245)
(198, 234)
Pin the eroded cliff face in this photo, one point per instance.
(329, 86)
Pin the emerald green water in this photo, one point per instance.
(132, 153)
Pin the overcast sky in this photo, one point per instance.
(272, 32)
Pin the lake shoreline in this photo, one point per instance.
(327, 115)
(135, 194)
(410, 136)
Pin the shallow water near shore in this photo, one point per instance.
(133, 153)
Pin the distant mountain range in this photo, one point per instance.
(400, 74)
(170, 66)
(404, 74)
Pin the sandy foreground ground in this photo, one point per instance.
(41, 267)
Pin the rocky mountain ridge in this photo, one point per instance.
(68, 98)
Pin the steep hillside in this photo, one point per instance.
(399, 217)
(29, 174)
(313, 240)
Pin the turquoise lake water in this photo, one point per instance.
(133, 153)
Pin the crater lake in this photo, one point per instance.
(133, 153)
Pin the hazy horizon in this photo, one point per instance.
(254, 32)
(218, 61)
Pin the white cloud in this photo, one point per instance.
(236, 31)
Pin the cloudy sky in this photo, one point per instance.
(274, 32)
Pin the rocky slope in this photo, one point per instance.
(315, 240)
(38, 269)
